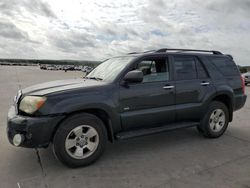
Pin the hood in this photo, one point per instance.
(60, 85)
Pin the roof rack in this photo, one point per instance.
(188, 50)
(142, 52)
(133, 53)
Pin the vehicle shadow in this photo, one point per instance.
(134, 162)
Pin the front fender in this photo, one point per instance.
(69, 103)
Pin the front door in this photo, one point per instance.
(152, 102)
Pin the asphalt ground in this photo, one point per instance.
(180, 158)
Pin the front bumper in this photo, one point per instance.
(37, 131)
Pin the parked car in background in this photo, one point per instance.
(125, 97)
(77, 67)
(87, 69)
(58, 67)
(69, 68)
(246, 77)
(83, 68)
(51, 67)
(43, 66)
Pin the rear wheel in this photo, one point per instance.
(215, 121)
(80, 140)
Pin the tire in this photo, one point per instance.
(80, 140)
(215, 121)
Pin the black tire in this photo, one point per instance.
(66, 127)
(205, 129)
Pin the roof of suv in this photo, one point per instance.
(180, 51)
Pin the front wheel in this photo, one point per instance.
(80, 140)
(215, 121)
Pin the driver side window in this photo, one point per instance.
(154, 70)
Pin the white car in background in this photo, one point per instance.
(246, 77)
(51, 67)
(87, 69)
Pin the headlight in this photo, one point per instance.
(30, 104)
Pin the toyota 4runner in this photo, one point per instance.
(125, 97)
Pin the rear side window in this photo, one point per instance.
(225, 65)
(185, 67)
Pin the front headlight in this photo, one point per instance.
(30, 104)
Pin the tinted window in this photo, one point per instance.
(225, 65)
(185, 67)
(201, 72)
(154, 70)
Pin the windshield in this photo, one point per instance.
(109, 70)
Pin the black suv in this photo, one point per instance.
(126, 97)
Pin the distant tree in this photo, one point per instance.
(243, 69)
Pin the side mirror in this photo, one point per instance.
(134, 76)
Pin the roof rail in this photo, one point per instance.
(133, 53)
(142, 52)
(149, 51)
(188, 50)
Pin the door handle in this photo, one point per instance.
(168, 87)
(204, 83)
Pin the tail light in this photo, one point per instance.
(243, 84)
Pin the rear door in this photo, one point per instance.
(192, 85)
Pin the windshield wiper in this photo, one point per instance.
(94, 78)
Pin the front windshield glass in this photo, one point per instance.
(109, 70)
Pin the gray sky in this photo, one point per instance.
(95, 30)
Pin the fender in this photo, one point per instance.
(68, 107)
(220, 90)
(82, 100)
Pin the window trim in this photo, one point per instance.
(197, 60)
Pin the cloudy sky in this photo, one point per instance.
(95, 30)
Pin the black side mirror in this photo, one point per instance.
(135, 76)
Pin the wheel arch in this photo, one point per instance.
(227, 100)
(100, 113)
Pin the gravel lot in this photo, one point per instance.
(180, 158)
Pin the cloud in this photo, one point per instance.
(71, 40)
(229, 6)
(9, 30)
(33, 7)
(92, 29)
